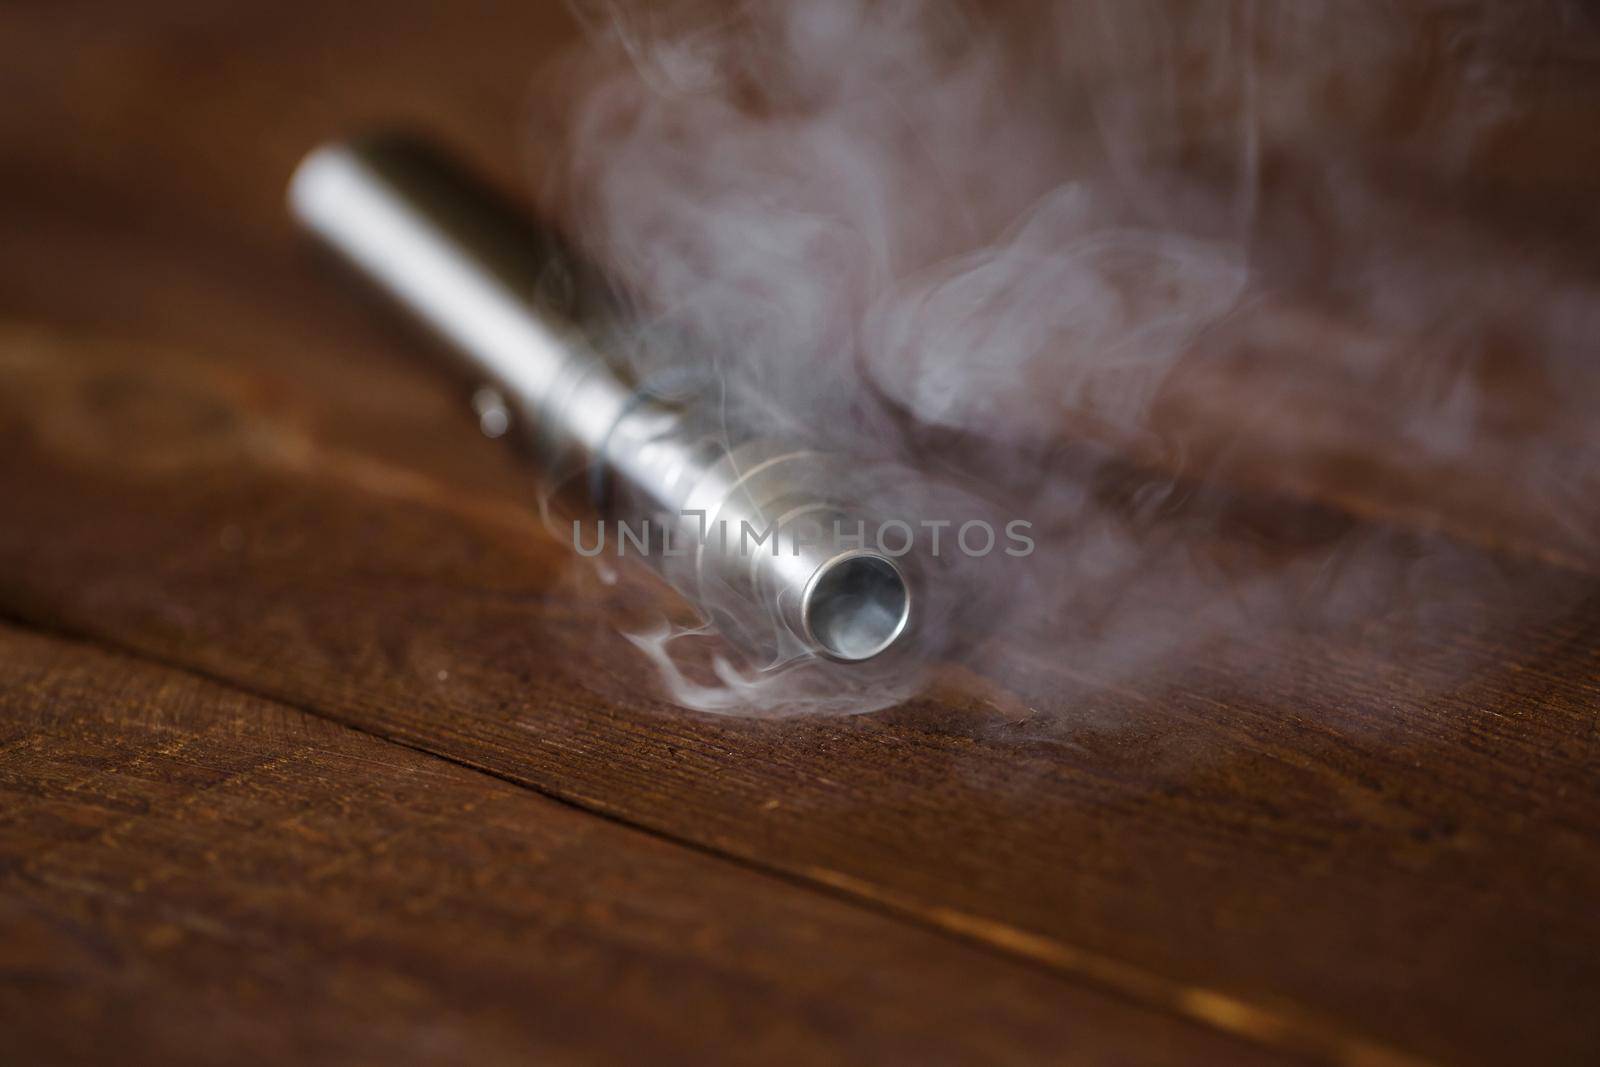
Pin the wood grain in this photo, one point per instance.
(188, 874)
(1362, 843)
(1367, 836)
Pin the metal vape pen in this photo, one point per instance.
(517, 306)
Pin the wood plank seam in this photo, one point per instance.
(214, 863)
(1295, 1034)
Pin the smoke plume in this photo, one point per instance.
(1239, 304)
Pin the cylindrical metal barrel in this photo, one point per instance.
(754, 531)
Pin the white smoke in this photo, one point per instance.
(1102, 259)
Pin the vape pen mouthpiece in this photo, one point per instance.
(856, 606)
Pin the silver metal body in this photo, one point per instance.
(509, 299)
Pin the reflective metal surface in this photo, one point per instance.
(527, 319)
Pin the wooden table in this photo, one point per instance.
(302, 754)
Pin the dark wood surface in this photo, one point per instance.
(187, 868)
(325, 588)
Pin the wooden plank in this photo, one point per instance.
(1341, 845)
(189, 874)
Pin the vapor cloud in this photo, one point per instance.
(1106, 265)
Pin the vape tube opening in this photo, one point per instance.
(856, 607)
